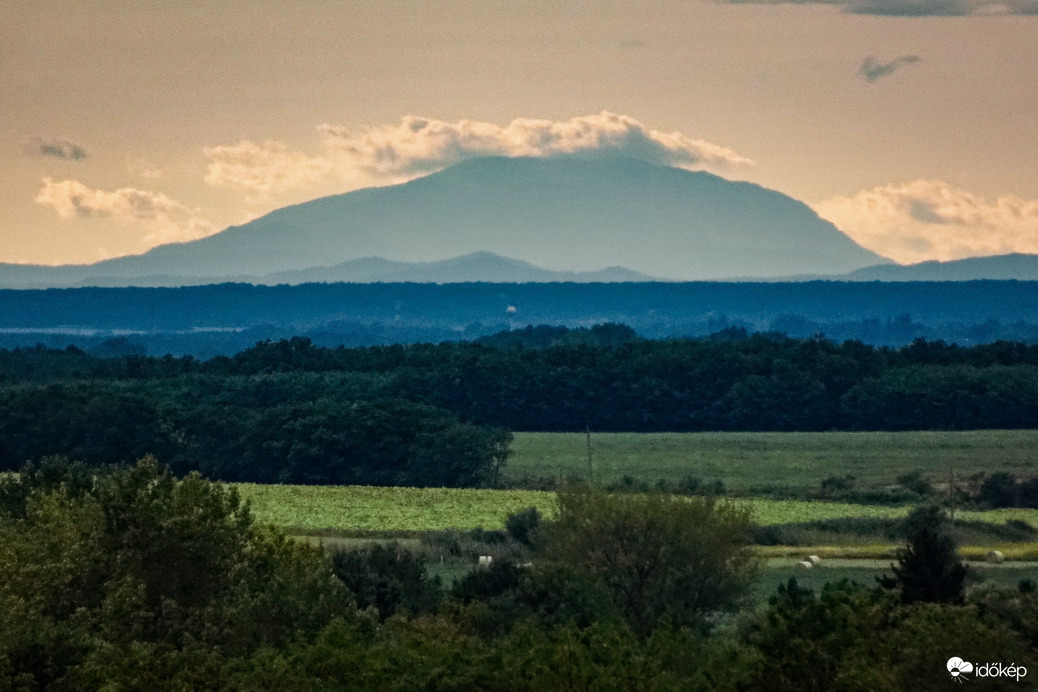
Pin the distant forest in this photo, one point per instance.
(438, 414)
(205, 321)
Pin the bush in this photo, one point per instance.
(999, 490)
(915, 482)
(388, 578)
(659, 557)
(522, 525)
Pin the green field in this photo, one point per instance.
(747, 460)
(308, 508)
(774, 573)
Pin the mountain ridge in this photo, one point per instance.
(563, 214)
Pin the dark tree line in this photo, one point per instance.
(267, 430)
(433, 414)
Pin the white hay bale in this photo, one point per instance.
(485, 560)
(995, 557)
(806, 564)
(813, 559)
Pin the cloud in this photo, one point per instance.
(873, 70)
(918, 8)
(929, 219)
(417, 146)
(56, 148)
(141, 167)
(263, 169)
(163, 218)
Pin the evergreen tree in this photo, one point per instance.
(928, 568)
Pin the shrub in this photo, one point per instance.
(387, 577)
(658, 556)
(522, 525)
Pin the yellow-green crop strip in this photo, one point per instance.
(299, 508)
(366, 508)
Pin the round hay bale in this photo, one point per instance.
(813, 559)
(995, 557)
(806, 564)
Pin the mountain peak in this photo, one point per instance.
(562, 214)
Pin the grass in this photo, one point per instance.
(778, 571)
(744, 461)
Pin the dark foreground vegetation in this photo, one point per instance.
(132, 579)
(424, 415)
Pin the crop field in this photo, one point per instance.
(744, 461)
(300, 509)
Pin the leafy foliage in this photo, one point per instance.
(388, 578)
(146, 579)
(659, 557)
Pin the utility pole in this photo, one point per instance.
(590, 478)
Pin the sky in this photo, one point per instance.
(910, 124)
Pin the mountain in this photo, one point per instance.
(559, 214)
(1014, 266)
(478, 266)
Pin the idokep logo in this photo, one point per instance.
(959, 669)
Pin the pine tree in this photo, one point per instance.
(928, 568)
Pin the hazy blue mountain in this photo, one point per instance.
(478, 266)
(999, 267)
(559, 214)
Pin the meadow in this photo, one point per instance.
(744, 461)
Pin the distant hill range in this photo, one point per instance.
(476, 267)
(551, 214)
(1016, 267)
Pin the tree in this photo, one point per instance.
(387, 577)
(999, 490)
(145, 580)
(658, 556)
(928, 568)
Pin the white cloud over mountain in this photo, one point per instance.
(416, 146)
(929, 219)
(161, 218)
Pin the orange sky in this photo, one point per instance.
(129, 124)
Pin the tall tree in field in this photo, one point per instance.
(660, 557)
(928, 568)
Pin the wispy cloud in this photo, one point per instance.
(918, 8)
(417, 146)
(872, 70)
(160, 217)
(265, 168)
(55, 148)
(929, 219)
